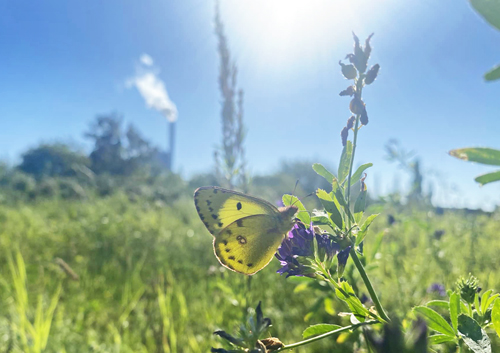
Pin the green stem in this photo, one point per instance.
(317, 338)
(350, 169)
(368, 284)
(359, 90)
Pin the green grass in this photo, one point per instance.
(149, 282)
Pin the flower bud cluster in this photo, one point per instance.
(356, 71)
(468, 288)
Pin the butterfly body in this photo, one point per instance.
(247, 230)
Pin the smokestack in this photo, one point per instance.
(171, 140)
(154, 92)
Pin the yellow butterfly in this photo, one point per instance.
(247, 230)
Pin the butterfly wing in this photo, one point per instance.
(219, 207)
(248, 245)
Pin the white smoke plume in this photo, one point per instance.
(152, 88)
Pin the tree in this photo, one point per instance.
(107, 156)
(117, 153)
(50, 160)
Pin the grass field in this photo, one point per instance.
(137, 276)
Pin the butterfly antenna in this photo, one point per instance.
(312, 193)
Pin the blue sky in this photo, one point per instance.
(64, 62)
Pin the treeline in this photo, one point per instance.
(123, 160)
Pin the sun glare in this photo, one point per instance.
(277, 31)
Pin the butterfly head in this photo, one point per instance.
(288, 212)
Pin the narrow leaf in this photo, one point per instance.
(364, 228)
(488, 177)
(489, 9)
(479, 155)
(330, 207)
(321, 170)
(484, 300)
(454, 310)
(438, 303)
(357, 175)
(303, 215)
(345, 162)
(438, 339)
(322, 220)
(476, 304)
(359, 206)
(435, 321)
(352, 301)
(491, 300)
(473, 335)
(495, 316)
(493, 74)
(319, 329)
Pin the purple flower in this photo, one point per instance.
(299, 246)
(342, 257)
(437, 288)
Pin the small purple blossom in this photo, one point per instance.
(299, 245)
(437, 288)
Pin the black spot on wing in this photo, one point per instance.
(224, 242)
(209, 202)
(239, 223)
(250, 265)
(221, 224)
(238, 206)
(210, 209)
(231, 258)
(214, 216)
(215, 191)
(240, 261)
(228, 250)
(229, 231)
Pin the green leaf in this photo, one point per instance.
(352, 301)
(357, 175)
(435, 321)
(321, 170)
(476, 304)
(303, 215)
(488, 177)
(454, 309)
(438, 339)
(318, 329)
(364, 228)
(340, 196)
(495, 316)
(359, 206)
(490, 301)
(479, 155)
(330, 207)
(345, 162)
(474, 337)
(438, 303)
(489, 9)
(484, 300)
(493, 74)
(322, 220)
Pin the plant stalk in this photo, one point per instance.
(317, 338)
(368, 284)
